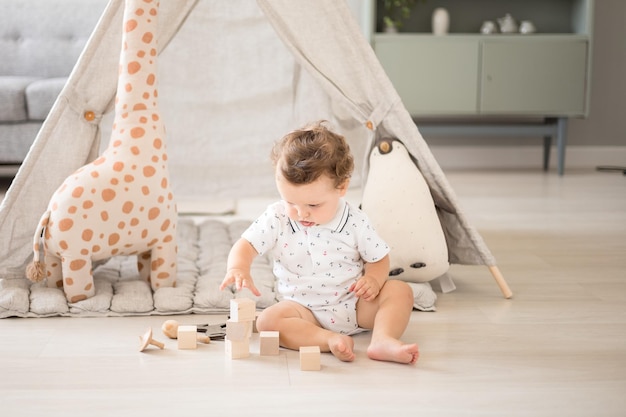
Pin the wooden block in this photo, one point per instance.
(237, 349)
(187, 337)
(269, 344)
(238, 330)
(310, 358)
(242, 309)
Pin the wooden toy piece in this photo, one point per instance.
(310, 358)
(242, 309)
(237, 349)
(238, 330)
(187, 337)
(146, 340)
(170, 329)
(269, 345)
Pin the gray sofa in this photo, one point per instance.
(40, 41)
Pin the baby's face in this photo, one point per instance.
(310, 204)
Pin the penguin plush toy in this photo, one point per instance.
(399, 204)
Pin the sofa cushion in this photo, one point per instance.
(13, 98)
(41, 95)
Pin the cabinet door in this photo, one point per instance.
(433, 75)
(534, 76)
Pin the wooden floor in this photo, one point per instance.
(557, 348)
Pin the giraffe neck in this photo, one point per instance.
(137, 123)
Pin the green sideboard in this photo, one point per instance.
(469, 75)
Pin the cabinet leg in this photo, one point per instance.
(547, 145)
(561, 143)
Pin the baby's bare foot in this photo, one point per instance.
(393, 350)
(342, 347)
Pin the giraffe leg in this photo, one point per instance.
(54, 274)
(143, 265)
(77, 278)
(163, 269)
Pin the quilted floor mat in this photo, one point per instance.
(202, 253)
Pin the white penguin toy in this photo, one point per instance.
(398, 202)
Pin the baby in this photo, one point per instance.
(331, 266)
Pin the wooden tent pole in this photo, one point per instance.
(504, 287)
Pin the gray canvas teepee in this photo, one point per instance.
(235, 75)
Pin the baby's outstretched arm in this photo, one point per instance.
(369, 285)
(238, 267)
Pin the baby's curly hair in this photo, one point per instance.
(307, 153)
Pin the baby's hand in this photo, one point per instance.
(241, 279)
(366, 287)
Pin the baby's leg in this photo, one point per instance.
(298, 327)
(388, 316)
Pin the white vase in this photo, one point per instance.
(440, 21)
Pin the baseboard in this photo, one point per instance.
(525, 157)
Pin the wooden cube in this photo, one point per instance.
(242, 309)
(269, 343)
(238, 330)
(310, 358)
(187, 337)
(237, 349)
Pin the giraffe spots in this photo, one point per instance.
(128, 87)
(153, 242)
(145, 190)
(153, 213)
(157, 143)
(66, 224)
(117, 143)
(137, 132)
(143, 119)
(134, 150)
(121, 225)
(118, 166)
(167, 239)
(131, 24)
(108, 194)
(95, 248)
(88, 286)
(163, 275)
(133, 67)
(155, 159)
(149, 171)
(95, 174)
(72, 209)
(147, 37)
(151, 79)
(129, 178)
(139, 106)
(69, 281)
(164, 183)
(87, 204)
(84, 252)
(157, 263)
(114, 181)
(161, 199)
(99, 161)
(113, 239)
(155, 117)
(134, 221)
(87, 235)
(77, 192)
(141, 54)
(127, 207)
(78, 298)
(77, 264)
(104, 215)
(144, 234)
(165, 225)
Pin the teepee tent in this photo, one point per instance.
(234, 76)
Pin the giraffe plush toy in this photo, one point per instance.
(121, 203)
